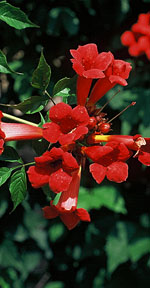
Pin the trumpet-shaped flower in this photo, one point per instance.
(66, 208)
(88, 64)
(67, 125)
(109, 161)
(17, 131)
(117, 73)
(55, 168)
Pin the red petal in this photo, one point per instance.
(66, 139)
(83, 214)
(70, 220)
(118, 80)
(121, 68)
(134, 50)
(69, 162)
(59, 181)
(96, 153)
(60, 111)
(38, 177)
(127, 38)
(103, 60)
(80, 115)
(77, 66)
(144, 158)
(79, 132)
(93, 73)
(51, 132)
(144, 154)
(50, 212)
(1, 146)
(88, 52)
(76, 55)
(98, 172)
(117, 172)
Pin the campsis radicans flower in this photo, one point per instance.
(66, 208)
(138, 39)
(17, 131)
(68, 125)
(89, 65)
(109, 161)
(54, 167)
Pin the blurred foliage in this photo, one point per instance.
(113, 250)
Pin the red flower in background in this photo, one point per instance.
(54, 167)
(67, 125)
(66, 207)
(138, 39)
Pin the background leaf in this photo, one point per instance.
(4, 67)
(105, 196)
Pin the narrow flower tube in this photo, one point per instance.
(101, 87)
(16, 131)
(132, 142)
(83, 88)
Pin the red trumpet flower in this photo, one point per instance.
(66, 207)
(17, 131)
(67, 125)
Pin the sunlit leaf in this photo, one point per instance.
(14, 17)
(4, 174)
(107, 196)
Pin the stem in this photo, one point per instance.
(50, 97)
(23, 165)
(19, 119)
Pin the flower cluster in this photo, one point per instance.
(80, 133)
(138, 39)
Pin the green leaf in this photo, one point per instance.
(4, 174)
(66, 88)
(139, 247)
(3, 284)
(18, 187)
(56, 284)
(117, 247)
(4, 67)
(14, 17)
(9, 256)
(10, 155)
(107, 196)
(41, 75)
(31, 105)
